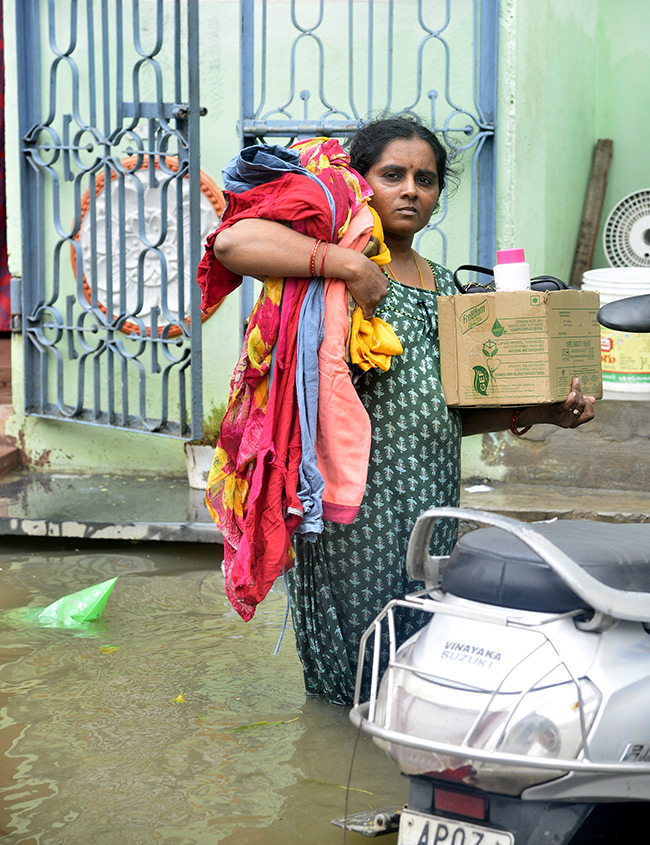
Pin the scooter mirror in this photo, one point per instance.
(631, 314)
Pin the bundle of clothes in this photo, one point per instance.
(295, 439)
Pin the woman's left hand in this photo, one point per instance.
(576, 409)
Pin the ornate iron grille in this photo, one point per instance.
(114, 212)
(109, 122)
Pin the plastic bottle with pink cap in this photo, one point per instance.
(511, 271)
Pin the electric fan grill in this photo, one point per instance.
(626, 236)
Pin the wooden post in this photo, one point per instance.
(593, 209)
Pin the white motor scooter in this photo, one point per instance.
(523, 703)
(521, 711)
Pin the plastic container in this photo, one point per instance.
(511, 271)
(625, 355)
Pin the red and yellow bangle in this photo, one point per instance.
(322, 263)
(312, 260)
(513, 424)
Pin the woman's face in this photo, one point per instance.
(405, 186)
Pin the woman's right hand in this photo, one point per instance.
(364, 279)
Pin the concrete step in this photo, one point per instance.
(5, 387)
(103, 507)
(612, 452)
(167, 509)
(10, 458)
(6, 411)
(537, 502)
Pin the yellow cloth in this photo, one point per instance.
(373, 342)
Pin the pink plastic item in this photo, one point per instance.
(511, 272)
(510, 256)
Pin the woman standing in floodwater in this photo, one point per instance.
(342, 580)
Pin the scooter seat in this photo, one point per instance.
(492, 566)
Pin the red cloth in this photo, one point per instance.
(274, 509)
(252, 489)
(293, 198)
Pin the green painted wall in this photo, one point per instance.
(547, 116)
(569, 74)
(624, 99)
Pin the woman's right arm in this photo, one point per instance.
(259, 248)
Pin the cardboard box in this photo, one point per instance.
(519, 348)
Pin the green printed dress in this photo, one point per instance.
(340, 583)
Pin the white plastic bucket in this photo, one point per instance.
(625, 355)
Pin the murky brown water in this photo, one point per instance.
(142, 728)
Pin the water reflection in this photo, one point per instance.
(170, 720)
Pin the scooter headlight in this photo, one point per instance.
(534, 736)
(549, 723)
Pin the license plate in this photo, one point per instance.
(420, 829)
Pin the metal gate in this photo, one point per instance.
(115, 208)
(317, 67)
(114, 211)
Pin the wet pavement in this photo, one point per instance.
(533, 502)
(104, 507)
(40, 504)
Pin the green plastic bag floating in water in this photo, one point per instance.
(77, 608)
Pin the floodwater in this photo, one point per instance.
(169, 720)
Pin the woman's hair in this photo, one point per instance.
(370, 141)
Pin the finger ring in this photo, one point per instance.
(576, 412)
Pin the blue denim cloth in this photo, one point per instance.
(311, 330)
(259, 164)
(262, 163)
